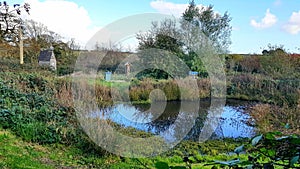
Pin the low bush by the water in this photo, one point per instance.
(182, 89)
(264, 89)
(269, 118)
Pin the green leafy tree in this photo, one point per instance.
(201, 29)
(164, 36)
(207, 29)
(66, 54)
(214, 26)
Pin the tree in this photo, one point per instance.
(37, 36)
(35, 30)
(274, 50)
(200, 29)
(191, 13)
(39, 33)
(163, 36)
(33, 39)
(10, 21)
(205, 30)
(213, 25)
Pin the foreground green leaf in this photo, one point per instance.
(256, 139)
(294, 160)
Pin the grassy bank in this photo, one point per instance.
(17, 153)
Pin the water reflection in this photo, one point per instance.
(171, 120)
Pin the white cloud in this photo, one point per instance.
(169, 8)
(293, 26)
(63, 17)
(268, 21)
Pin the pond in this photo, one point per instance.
(160, 117)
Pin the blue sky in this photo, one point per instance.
(255, 23)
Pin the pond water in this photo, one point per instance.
(159, 117)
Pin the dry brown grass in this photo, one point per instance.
(273, 118)
(141, 91)
(180, 89)
(183, 89)
(63, 93)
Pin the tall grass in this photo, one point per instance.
(270, 118)
(265, 89)
(182, 89)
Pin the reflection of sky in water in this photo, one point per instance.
(233, 124)
(128, 116)
(232, 121)
(131, 114)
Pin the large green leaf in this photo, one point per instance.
(271, 153)
(239, 149)
(270, 136)
(249, 167)
(294, 160)
(228, 163)
(287, 126)
(161, 165)
(256, 139)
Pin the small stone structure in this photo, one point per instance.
(47, 58)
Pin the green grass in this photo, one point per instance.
(16, 153)
(118, 84)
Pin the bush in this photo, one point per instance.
(274, 118)
(36, 116)
(264, 89)
(173, 89)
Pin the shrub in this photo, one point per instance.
(36, 116)
(274, 118)
(251, 64)
(265, 89)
